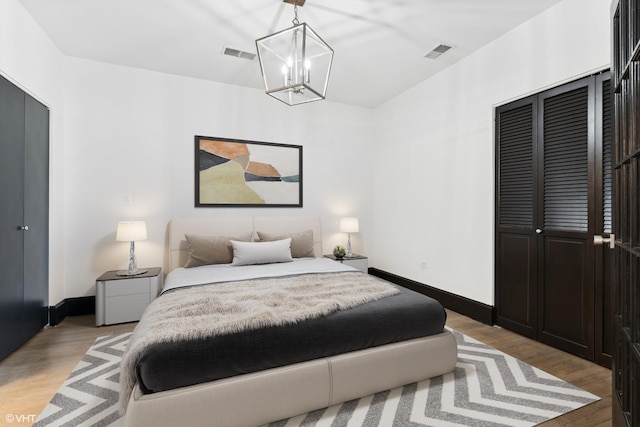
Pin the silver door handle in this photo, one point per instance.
(23, 228)
(611, 240)
(538, 231)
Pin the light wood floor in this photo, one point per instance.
(32, 375)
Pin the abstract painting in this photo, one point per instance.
(231, 172)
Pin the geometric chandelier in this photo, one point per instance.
(295, 63)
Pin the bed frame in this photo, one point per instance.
(262, 397)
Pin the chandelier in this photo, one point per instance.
(295, 63)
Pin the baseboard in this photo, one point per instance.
(465, 306)
(71, 307)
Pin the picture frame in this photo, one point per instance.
(241, 173)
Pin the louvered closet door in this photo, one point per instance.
(603, 264)
(565, 218)
(516, 247)
(553, 194)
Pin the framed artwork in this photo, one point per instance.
(237, 173)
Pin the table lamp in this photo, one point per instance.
(130, 231)
(349, 225)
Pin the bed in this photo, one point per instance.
(274, 371)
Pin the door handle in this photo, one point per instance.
(23, 228)
(611, 240)
(538, 231)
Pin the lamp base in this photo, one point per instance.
(126, 273)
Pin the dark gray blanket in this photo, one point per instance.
(407, 315)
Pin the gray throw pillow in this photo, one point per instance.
(301, 242)
(207, 250)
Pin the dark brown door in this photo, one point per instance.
(626, 268)
(516, 241)
(550, 280)
(603, 220)
(565, 218)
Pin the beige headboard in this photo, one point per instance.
(230, 226)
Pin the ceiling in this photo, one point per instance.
(379, 44)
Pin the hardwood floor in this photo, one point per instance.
(32, 375)
(577, 371)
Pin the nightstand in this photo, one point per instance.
(121, 299)
(357, 261)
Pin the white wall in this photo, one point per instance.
(417, 171)
(117, 130)
(434, 157)
(132, 131)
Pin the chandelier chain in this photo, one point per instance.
(295, 11)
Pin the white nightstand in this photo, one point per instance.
(357, 261)
(121, 299)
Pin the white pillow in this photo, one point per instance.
(246, 253)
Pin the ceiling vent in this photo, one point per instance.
(239, 53)
(439, 50)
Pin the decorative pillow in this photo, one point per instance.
(246, 253)
(206, 250)
(301, 243)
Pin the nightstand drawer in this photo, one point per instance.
(128, 287)
(126, 308)
(361, 264)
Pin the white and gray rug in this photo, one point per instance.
(487, 388)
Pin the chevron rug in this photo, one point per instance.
(487, 388)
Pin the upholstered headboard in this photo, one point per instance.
(230, 226)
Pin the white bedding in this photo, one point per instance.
(218, 273)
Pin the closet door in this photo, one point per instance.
(12, 124)
(603, 254)
(36, 217)
(554, 194)
(565, 217)
(24, 217)
(516, 241)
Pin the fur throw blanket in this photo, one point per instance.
(220, 309)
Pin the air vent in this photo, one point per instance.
(439, 50)
(239, 53)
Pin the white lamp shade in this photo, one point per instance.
(129, 231)
(349, 225)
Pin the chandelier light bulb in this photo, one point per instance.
(307, 71)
